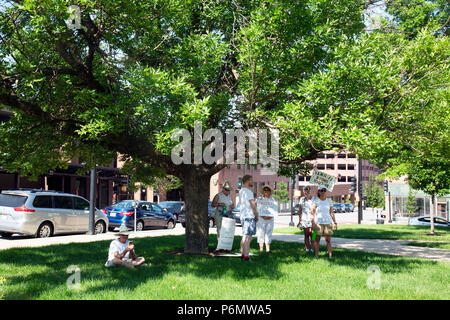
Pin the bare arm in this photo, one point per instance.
(214, 203)
(255, 212)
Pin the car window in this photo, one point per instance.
(439, 220)
(123, 204)
(156, 208)
(80, 204)
(43, 202)
(62, 202)
(12, 201)
(425, 219)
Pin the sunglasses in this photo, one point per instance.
(323, 190)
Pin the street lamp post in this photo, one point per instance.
(292, 181)
(92, 202)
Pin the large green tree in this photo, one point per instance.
(136, 71)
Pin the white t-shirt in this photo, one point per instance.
(117, 246)
(245, 195)
(307, 206)
(267, 207)
(322, 215)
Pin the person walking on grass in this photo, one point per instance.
(220, 201)
(267, 208)
(322, 217)
(304, 221)
(120, 251)
(249, 216)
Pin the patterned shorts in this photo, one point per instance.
(248, 227)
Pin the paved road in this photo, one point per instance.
(392, 247)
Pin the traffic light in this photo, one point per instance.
(353, 181)
(386, 186)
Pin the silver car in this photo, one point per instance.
(425, 221)
(45, 213)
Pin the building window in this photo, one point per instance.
(301, 178)
(320, 156)
(342, 155)
(350, 167)
(330, 155)
(352, 155)
(330, 166)
(308, 178)
(341, 167)
(341, 179)
(320, 166)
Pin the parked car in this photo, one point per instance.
(211, 210)
(426, 221)
(338, 208)
(174, 207)
(237, 214)
(149, 214)
(46, 213)
(349, 207)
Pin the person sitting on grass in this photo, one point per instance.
(120, 251)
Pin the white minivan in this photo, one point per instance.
(46, 213)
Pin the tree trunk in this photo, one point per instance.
(432, 215)
(196, 192)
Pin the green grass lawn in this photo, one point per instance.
(381, 231)
(436, 245)
(286, 273)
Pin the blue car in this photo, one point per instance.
(149, 214)
(211, 209)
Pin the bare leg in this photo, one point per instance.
(267, 247)
(317, 243)
(138, 261)
(330, 250)
(261, 247)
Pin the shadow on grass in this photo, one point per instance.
(34, 271)
(387, 232)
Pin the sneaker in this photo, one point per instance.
(247, 260)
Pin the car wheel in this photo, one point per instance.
(139, 226)
(211, 223)
(170, 224)
(45, 230)
(5, 234)
(99, 227)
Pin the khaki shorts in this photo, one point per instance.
(324, 229)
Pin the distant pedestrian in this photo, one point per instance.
(222, 201)
(120, 251)
(323, 219)
(249, 215)
(304, 220)
(267, 208)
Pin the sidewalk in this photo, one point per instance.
(392, 247)
(83, 238)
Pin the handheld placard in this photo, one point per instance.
(314, 235)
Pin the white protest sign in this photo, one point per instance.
(226, 234)
(322, 179)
